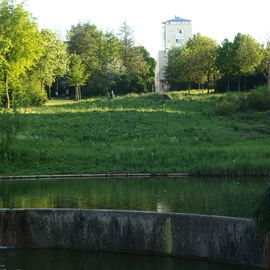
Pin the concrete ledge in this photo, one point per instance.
(94, 175)
(233, 240)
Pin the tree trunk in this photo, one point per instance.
(268, 82)
(239, 84)
(266, 255)
(57, 88)
(76, 93)
(80, 93)
(228, 85)
(49, 93)
(215, 83)
(245, 83)
(208, 83)
(189, 88)
(77, 97)
(7, 91)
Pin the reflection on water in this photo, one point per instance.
(228, 197)
(85, 260)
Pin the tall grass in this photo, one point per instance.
(11, 125)
(146, 133)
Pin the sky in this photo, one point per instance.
(218, 19)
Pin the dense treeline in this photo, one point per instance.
(202, 62)
(36, 64)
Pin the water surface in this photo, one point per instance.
(85, 260)
(229, 197)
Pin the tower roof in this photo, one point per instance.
(177, 19)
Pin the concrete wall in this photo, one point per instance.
(224, 239)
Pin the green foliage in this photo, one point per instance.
(112, 62)
(54, 61)
(259, 99)
(225, 59)
(194, 62)
(20, 44)
(76, 75)
(32, 92)
(261, 212)
(242, 57)
(265, 65)
(89, 43)
(248, 54)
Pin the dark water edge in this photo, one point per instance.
(225, 197)
(43, 259)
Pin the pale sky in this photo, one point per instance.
(218, 19)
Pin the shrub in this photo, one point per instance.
(225, 108)
(231, 103)
(37, 97)
(259, 99)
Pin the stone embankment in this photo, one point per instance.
(233, 240)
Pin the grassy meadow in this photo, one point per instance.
(176, 132)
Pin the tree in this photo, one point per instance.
(203, 51)
(88, 42)
(137, 65)
(20, 44)
(248, 56)
(225, 61)
(265, 65)
(181, 67)
(194, 62)
(127, 41)
(99, 52)
(76, 75)
(54, 60)
(172, 69)
(149, 76)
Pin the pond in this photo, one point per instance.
(228, 197)
(76, 259)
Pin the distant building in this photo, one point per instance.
(175, 33)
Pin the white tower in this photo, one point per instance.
(175, 33)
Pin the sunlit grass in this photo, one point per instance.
(169, 132)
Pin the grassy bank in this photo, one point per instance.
(148, 133)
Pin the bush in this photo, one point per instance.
(259, 99)
(231, 103)
(226, 108)
(261, 213)
(37, 97)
